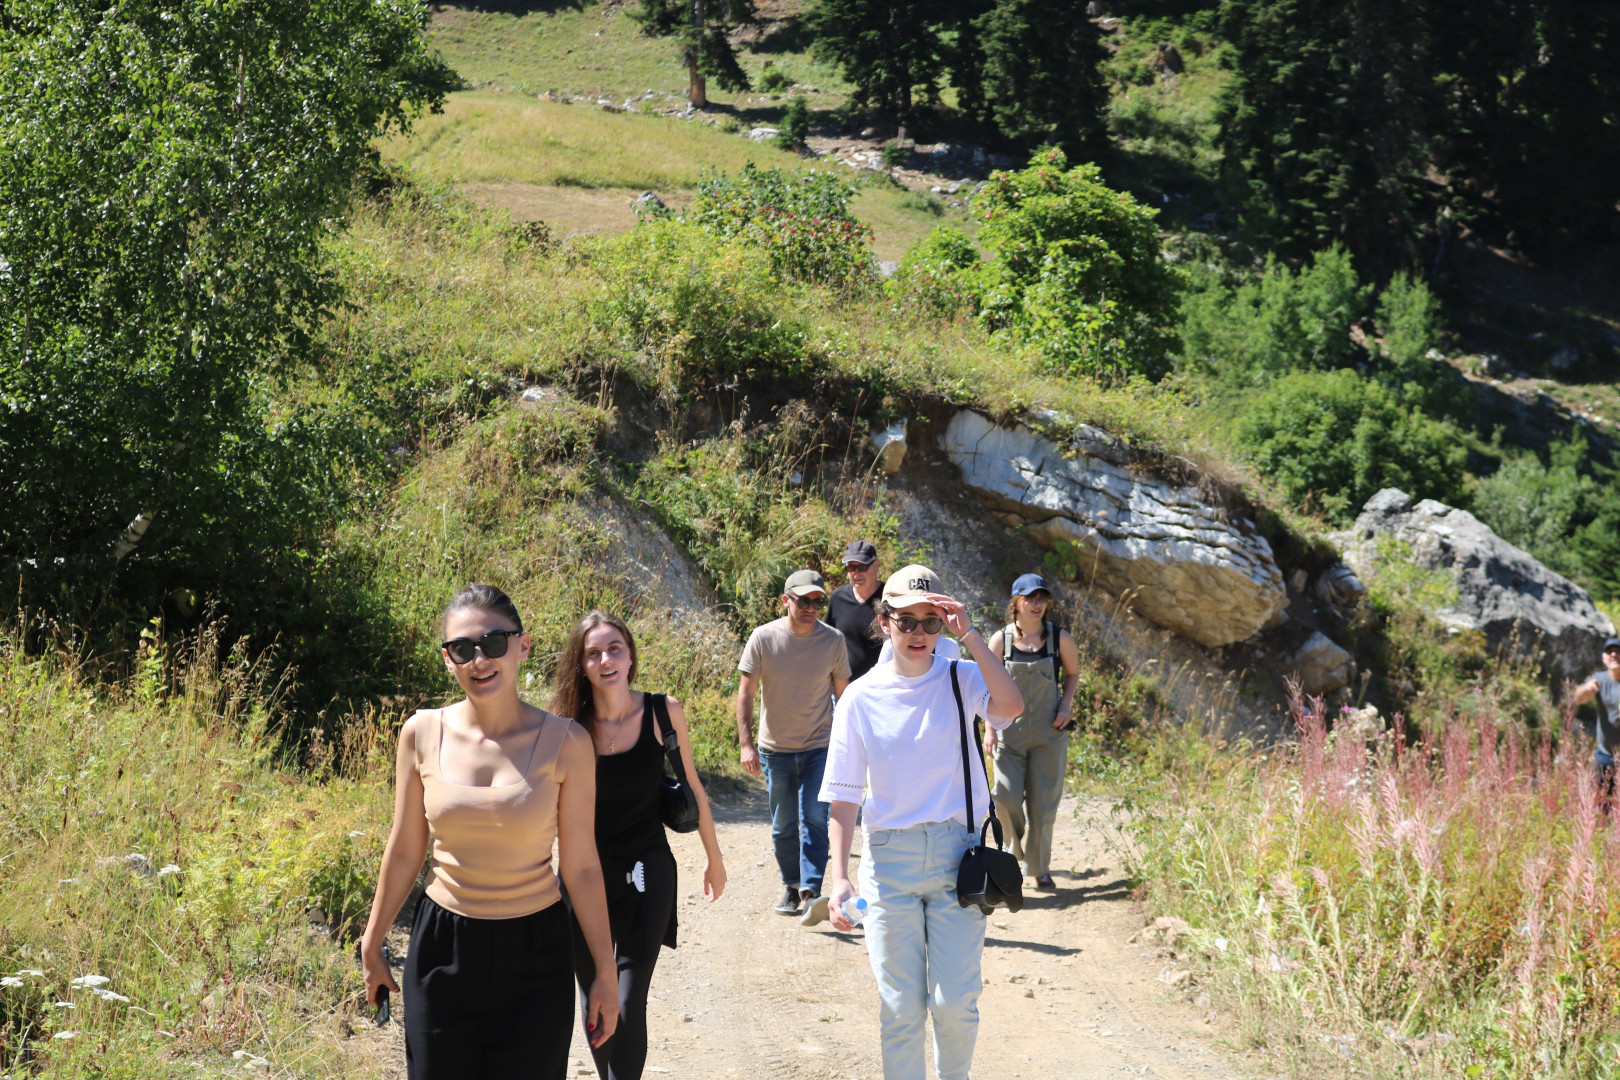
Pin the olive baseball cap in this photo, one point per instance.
(911, 585)
(804, 582)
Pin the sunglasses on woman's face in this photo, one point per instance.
(931, 625)
(492, 645)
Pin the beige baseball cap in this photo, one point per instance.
(911, 585)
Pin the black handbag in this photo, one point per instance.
(677, 802)
(988, 876)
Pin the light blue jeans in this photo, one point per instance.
(924, 947)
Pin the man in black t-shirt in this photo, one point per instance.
(852, 607)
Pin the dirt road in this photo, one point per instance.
(751, 994)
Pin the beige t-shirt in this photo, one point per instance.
(795, 678)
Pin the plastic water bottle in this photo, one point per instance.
(855, 908)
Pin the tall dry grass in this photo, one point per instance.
(1441, 906)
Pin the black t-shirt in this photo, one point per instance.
(853, 619)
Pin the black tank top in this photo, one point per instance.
(627, 793)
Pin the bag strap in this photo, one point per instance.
(961, 730)
(1009, 634)
(671, 741)
(1052, 633)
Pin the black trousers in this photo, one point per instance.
(488, 999)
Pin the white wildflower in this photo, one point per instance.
(11, 981)
(1220, 944)
(252, 1059)
(86, 982)
(31, 972)
(167, 870)
(108, 995)
(63, 1005)
(66, 1035)
(356, 832)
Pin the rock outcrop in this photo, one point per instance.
(1175, 559)
(1320, 665)
(1502, 591)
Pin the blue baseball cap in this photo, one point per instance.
(1029, 583)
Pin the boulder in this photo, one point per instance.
(1320, 665)
(1520, 606)
(890, 444)
(1175, 559)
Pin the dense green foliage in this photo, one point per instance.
(1332, 439)
(1076, 268)
(167, 176)
(802, 219)
(1039, 75)
(891, 50)
(795, 123)
(1339, 119)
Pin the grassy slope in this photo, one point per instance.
(577, 167)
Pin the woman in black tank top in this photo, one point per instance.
(594, 678)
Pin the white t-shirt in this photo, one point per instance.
(945, 648)
(895, 746)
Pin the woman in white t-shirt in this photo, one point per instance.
(897, 747)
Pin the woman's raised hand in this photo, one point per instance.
(956, 616)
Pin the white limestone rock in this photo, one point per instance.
(1520, 605)
(1174, 559)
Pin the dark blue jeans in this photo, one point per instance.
(798, 816)
(1604, 763)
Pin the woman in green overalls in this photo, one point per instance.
(1033, 754)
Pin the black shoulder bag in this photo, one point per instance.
(988, 876)
(677, 802)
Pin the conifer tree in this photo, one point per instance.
(1323, 123)
(1039, 74)
(891, 50)
(1530, 130)
(703, 28)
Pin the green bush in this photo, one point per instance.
(1076, 268)
(1254, 327)
(692, 308)
(795, 124)
(1331, 439)
(801, 219)
(774, 79)
(896, 154)
(936, 276)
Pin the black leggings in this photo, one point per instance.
(641, 922)
(624, 1056)
(488, 999)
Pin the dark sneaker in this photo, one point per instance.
(1045, 882)
(815, 910)
(789, 904)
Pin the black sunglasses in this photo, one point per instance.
(930, 625)
(809, 604)
(492, 645)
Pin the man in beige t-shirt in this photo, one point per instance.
(800, 664)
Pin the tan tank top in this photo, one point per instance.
(492, 845)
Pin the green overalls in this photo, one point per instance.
(1031, 758)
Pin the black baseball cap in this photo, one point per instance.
(860, 551)
(1612, 643)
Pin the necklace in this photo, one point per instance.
(616, 722)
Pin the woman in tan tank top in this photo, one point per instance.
(489, 783)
